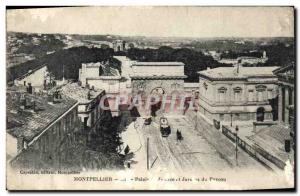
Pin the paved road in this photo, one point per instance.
(193, 153)
(197, 152)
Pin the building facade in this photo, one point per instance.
(159, 78)
(41, 129)
(230, 94)
(286, 98)
(90, 76)
(89, 110)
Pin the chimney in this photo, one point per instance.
(45, 84)
(29, 88)
(89, 95)
(23, 103)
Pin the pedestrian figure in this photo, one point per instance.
(179, 135)
(126, 151)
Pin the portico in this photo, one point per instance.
(286, 98)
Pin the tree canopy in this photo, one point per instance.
(194, 61)
(68, 59)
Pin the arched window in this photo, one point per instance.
(260, 114)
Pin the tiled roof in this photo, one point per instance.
(244, 72)
(79, 93)
(27, 123)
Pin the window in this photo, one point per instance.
(260, 96)
(221, 117)
(260, 92)
(237, 93)
(236, 117)
(250, 95)
(222, 94)
(85, 122)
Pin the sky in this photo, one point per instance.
(156, 21)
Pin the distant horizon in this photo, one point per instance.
(147, 36)
(151, 21)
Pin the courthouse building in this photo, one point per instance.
(286, 98)
(230, 94)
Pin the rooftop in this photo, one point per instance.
(272, 140)
(136, 76)
(158, 64)
(79, 93)
(109, 71)
(244, 72)
(27, 123)
(30, 72)
(98, 64)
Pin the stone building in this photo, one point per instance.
(41, 129)
(286, 98)
(162, 78)
(151, 76)
(89, 110)
(191, 89)
(92, 75)
(230, 94)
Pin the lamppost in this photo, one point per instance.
(231, 119)
(236, 144)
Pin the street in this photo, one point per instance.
(202, 149)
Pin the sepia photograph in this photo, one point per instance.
(153, 98)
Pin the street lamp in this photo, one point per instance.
(231, 119)
(236, 144)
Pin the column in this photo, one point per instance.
(293, 98)
(280, 105)
(286, 104)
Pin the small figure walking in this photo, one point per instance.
(127, 149)
(179, 135)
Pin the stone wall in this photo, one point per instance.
(169, 86)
